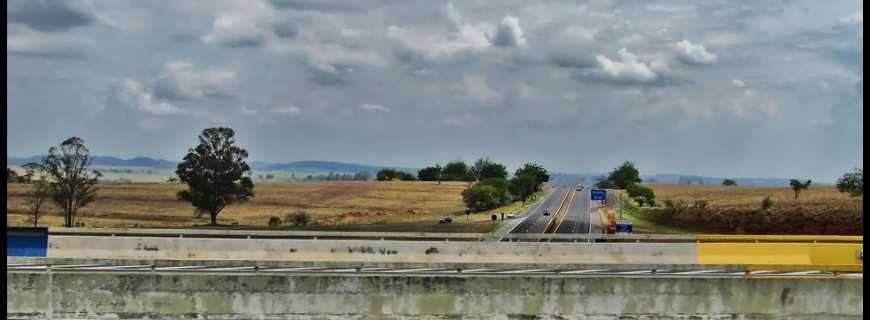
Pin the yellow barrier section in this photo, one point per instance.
(778, 238)
(793, 256)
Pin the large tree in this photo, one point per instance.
(527, 179)
(797, 186)
(430, 174)
(852, 183)
(36, 199)
(484, 168)
(456, 171)
(71, 185)
(621, 177)
(215, 172)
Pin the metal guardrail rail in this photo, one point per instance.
(120, 267)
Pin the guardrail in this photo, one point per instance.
(799, 253)
(425, 236)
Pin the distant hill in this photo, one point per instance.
(691, 179)
(559, 178)
(298, 166)
(556, 178)
(106, 161)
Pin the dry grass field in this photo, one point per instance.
(331, 204)
(818, 210)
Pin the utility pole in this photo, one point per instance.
(620, 206)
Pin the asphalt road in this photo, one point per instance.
(577, 219)
(535, 221)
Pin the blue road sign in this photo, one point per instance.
(599, 194)
(623, 226)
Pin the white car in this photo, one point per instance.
(511, 215)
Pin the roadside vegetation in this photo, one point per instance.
(750, 210)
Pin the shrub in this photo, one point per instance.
(481, 197)
(766, 203)
(641, 194)
(298, 218)
(274, 221)
(852, 183)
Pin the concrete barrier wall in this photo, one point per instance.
(237, 296)
(371, 251)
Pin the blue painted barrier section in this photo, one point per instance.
(26, 242)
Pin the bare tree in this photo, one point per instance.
(71, 185)
(36, 200)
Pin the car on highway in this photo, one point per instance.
(579, 187)
(445, 220)
(511, 215)
(546, 212)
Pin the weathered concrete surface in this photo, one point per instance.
(252, 296)
(95, 247)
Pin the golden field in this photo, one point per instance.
(330, 203)
(818, 210)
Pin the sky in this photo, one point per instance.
(717, 88)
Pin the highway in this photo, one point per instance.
(535, 221)
(577, 218)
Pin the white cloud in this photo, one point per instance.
(462, 36)
(235, 29)
(509, 33)
(738, 83)
(693, 53)
(856, 18)
(135, 95)
(291, 110)
(477, 88)
(752, 105)
(628, 67)
(248, 111)
(182, 80)
(373, 107)
(26, 42)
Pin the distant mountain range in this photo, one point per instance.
(298, 166)
(341, 167)
(106, 161)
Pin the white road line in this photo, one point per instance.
(479, 270)
(340, 270)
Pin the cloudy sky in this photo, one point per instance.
(724, 88)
